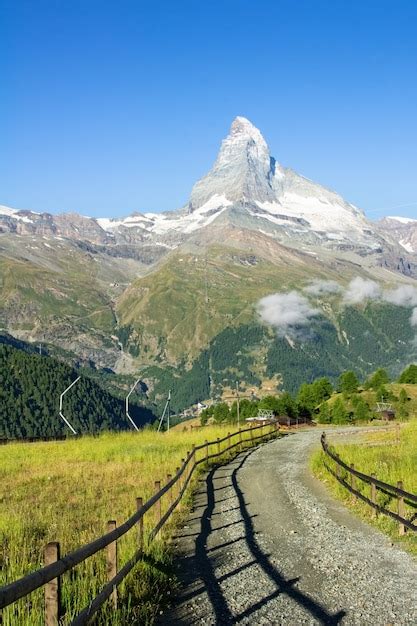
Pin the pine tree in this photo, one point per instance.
(339, 412)
(348, 382)
(409, 375)
(324, 416)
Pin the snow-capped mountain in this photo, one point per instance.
(246, 188)
(246, 175)
(248, 184)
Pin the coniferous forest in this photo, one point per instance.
(30, 386)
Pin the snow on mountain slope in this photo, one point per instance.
(402, 230)
(245, 187)
(162, 223)
(246, 174)
(21, 216)
(246, 178)
(401, 220)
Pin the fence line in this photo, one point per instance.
(403, 497)
(49, 575)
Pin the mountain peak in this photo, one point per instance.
(243, 168)
(242, 126)
(244, 139)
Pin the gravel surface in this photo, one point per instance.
(266, 544)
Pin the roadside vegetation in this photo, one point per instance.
(350, 401)
(389, 454)
(66, 491)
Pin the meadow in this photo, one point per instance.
(66, 491)
(392, 456)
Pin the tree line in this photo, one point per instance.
(322, 401)
(30, 386)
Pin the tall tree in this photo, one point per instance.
(409, 375)
(348, 382)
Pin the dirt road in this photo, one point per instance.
(266, 544)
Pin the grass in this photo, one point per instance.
(66, 491)
(391, 458)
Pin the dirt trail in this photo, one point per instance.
(266, 544)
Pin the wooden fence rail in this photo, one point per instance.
(55, 566)
(397, 492)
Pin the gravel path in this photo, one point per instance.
(266, 544)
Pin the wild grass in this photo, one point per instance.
(66, 491)
(391, 456)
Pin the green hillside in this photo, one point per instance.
(359, 339)
(30, 386)
(174, 312)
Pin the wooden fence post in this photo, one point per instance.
(188, 471)
(158, 504)
(192, 459)
(353, 482)
(401, 509)
(373, 496)
(182, 479)
(139, 504)
(111, 562)
(53, 588)
(177, 469)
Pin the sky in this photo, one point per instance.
(112, 107)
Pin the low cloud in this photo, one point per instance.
(287, 312)
(359, 290)
(405, 295)
(323, 287)
(291, 313)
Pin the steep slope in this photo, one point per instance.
(401, 229)
(29, 399)
(175, 311)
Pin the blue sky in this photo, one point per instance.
(111, 107)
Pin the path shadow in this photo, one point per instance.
(283, 585)
(199, 570)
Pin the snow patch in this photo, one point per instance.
(406, 245)
(402, 220)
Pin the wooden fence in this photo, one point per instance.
(347, 476)
(55, 566)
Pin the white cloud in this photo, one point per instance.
(360, 289)
(322, 287)
(413, 318)
(405, 295)
(286, 311)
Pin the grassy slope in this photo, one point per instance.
(379, 453)
(67, 491)
(43, 296)
(178, 289)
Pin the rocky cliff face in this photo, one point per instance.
(244, 169)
